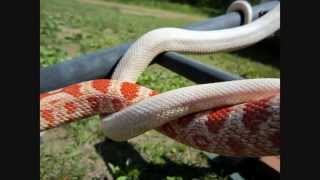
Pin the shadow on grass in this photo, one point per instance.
(252, 168)
(266, 52)
(120, 153)
(127, 158)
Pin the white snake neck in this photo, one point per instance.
(157, 41)
(244, 7)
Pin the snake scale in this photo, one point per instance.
(236, 118)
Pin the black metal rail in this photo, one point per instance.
(100, 64)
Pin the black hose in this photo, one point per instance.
(100, 64)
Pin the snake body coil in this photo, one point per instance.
(146, 48)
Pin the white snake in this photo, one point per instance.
(146, 48)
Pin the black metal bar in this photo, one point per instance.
(194, 70)
(101, 64)
(231, 19)
(92, 66)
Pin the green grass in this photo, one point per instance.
(78, 150)
(175, 7)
